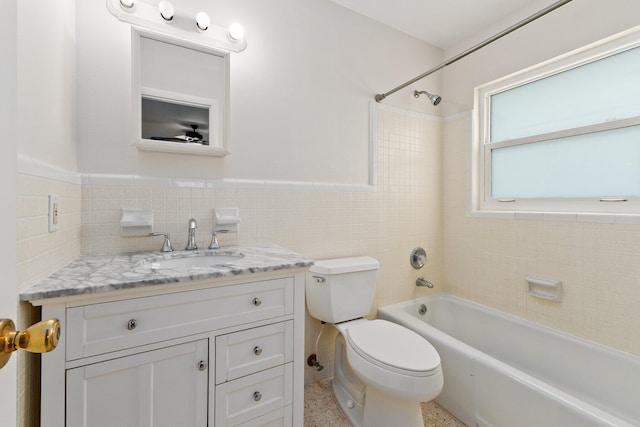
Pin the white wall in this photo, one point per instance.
(574, 25)
(8, 117)
(300, 92)
(46, 82)
(487, 259)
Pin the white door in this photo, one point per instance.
(8, 153)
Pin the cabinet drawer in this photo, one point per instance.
(253, 396)
(283, 417)
(101, 328)
(245, 352)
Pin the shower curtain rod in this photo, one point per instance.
(479, 46)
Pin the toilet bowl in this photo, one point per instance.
(382, 371)
(397, 368)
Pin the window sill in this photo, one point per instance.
(558, 216)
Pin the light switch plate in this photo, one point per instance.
(54, 213)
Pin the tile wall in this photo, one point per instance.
(39, 253)
(487, 259)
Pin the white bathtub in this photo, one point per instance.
(503, 371)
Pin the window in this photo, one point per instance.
(563, 136)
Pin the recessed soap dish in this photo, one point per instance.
(544, 288)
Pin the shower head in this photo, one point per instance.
(435, 99)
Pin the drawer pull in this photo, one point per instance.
(257, 350)
(319, 279)
(202, 365)
(257, 396)
(131, 324)
(257, 302)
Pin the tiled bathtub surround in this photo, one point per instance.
(487, 259)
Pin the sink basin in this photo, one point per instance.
(193, 262)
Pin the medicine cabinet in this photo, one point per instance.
(180, 95)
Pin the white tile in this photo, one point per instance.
(560, 216)
(150, 181)
(188, 182)
(599, 218)
(109, 180)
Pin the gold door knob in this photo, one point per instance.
(39, 338)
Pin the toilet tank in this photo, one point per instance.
(341, 289)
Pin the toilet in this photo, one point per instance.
(382, 371)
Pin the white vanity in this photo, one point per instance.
(143, 346)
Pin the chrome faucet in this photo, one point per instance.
(191, 241)
(421, 281)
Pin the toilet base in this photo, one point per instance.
(351, 407)
(382, 410)
(348, 390)
(378, 410)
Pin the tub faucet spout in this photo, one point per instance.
(191, 241)
(421, 281)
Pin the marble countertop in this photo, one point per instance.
(93, 274)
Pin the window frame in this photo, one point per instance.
(481, 198)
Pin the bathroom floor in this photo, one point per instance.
(322, 410)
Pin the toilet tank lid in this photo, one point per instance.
(345, 265)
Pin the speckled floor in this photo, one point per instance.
(322, 410)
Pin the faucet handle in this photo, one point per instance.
(214, 241)
(166, 246)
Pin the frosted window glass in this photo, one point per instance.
(594, 165)
(593, 93)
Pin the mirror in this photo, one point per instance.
(181, 96)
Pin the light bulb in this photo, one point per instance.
(203, 21)
(236, 32)
(166, 10)
(126, 4)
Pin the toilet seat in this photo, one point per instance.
(393, 347)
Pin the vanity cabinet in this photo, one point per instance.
(219, 352)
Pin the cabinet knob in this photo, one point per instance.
(202, 365)
(257, 350)
(257, 396)
(257, 301)
(131, 324)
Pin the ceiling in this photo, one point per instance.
(444, 23)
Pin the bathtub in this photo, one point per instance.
(504, 371)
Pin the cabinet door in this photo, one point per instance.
(165, 387)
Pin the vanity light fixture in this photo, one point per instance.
(166, 10)
(144, 14)
(126, 4)
(236, 32)
(203, 21)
